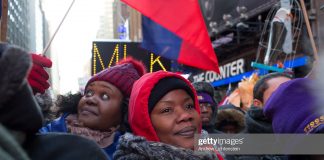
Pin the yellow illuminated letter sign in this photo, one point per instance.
(116, 53)
(156, 60)
(96, 54)
(115, 58)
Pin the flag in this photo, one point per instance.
(175, 29)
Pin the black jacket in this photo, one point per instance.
(256, 122)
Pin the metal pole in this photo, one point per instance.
(4, 20)
(50, 41)
(309, 30)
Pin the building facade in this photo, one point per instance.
(105, 30)
(236, 31)
(21, 24)
(127, 22)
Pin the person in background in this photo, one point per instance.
(256, 122)
(100, 113)
(267, 85)
(164, 117)
(207, 103)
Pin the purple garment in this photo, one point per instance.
(292, 108)
(205, 98)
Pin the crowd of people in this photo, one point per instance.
(126, 113)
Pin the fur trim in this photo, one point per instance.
(135, 147)
(14, 67)
(44, 101)
(230, 115)
(46, 104)
(138, 65)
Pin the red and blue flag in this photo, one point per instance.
(175, 29)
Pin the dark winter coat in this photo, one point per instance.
(16, 101)
(256, 122)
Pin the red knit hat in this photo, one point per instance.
(123, 75)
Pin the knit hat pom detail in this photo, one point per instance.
(138, 65)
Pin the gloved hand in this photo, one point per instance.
(16, 95)
(38, 77)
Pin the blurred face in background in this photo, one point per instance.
(206, 113)
(273, 84)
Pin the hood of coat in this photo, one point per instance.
(138, 112)
(230, 115)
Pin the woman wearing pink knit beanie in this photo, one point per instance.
(100, 113)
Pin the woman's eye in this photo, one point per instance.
(105, 97)
(166, 110)
(89, 93)
(190, 106)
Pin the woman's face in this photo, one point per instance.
(100, 107)
(175, 119)
(206, 113)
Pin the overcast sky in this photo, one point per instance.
(72, 44)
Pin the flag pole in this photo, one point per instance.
(59, 26)
(309, 30)
(311, 73)
(4, 20)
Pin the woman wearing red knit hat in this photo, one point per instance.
(100, 113)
